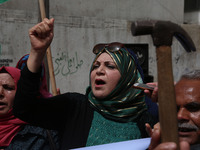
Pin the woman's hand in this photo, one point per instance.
(41, 36)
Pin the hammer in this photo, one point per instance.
(162, 33)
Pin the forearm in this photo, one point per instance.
(35, 61)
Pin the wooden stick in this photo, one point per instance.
(48, 53)
(166, 95)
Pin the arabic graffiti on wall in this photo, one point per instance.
(66, 65)
(4, 61)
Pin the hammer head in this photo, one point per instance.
(162, 33)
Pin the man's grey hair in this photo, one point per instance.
(192, 75)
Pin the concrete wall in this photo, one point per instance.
(79, 25)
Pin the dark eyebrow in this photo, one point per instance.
(105, 61)
(193, 106)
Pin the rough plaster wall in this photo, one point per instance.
(120, 9)
(183, 61)
(79, 25)
(14, 25)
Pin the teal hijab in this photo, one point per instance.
(124, 103)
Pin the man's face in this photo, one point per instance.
(188, 107)
(7, 93)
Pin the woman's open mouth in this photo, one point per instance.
(99, 82)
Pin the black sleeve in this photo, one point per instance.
(52, 113)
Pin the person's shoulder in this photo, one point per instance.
(30, 129)
(33, 137)
(75, 95)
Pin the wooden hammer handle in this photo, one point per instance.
(49, 56)
(166, 96)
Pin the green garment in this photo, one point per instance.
(105, 131)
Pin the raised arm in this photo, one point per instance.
(41, 36)
(28, 104)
